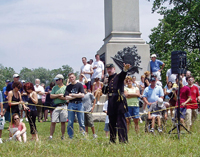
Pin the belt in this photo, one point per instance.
(75, 102)
(61, 104)
(114, 94)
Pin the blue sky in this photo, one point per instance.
(52, 33)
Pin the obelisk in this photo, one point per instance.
(122, 30)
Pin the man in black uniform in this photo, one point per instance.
(117, 104)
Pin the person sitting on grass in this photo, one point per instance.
(155, 112)
(17, 129)
(97, 89)
(88, 107)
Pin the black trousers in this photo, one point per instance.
(117, 123)
(31, 119)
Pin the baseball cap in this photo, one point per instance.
(15, 75)
(153, 79)
(59, 76)
(7, 80)
(153, 55)
(110, 65)
(23, 81)
(160, 102)
(84, 86)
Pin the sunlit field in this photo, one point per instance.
(142, 144)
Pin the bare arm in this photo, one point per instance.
(162, 67)
(93, 87)
(24, 129)
(86, 81)
(33, 97)
(93, 105)
(187, 101)
(79, 95)
(132, 95)
(146, 101)
(10, 103)
(54, 96)
(1, 109)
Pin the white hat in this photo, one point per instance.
(15, 75)
(153, 55)
(23, 81)
(59, 76)
(160, 102)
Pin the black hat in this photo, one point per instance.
(110, 65)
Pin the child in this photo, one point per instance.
(88, 107)
(106, 129)
(157, 107)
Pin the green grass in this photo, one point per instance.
(142, 144)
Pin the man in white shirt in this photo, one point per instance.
(40, 91)
(87, 70)
(98, 68)
(170, 77)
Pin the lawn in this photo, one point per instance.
(142, 144)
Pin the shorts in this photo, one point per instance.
(88, 120)
(88, 85)
(156, 115)
(182, 113)
(48, 104)
(60, 114)
(106, 128)
(14, 137)
(133, 112)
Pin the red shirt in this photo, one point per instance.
(194, 94)
(184, 94)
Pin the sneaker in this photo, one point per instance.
(1, 140)
(159, 129)
(152, 130)
(27, 119)
(98, 103)
(50, 137)
(21, 120)
(94, 136)
(141, 121)
(62, 137)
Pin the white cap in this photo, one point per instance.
(153, 55)
(59, 76)
(23, 81)
(160, 102)
(15, 75)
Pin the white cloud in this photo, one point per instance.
(49, 33)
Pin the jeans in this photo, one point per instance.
(71, 116)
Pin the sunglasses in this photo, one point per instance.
(190, 80)
(57, 79)
(16, 118)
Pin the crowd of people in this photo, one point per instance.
(126, 99)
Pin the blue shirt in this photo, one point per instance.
(152, 95)
(1, 98)
(155, 66)
(4, 90)
(48, 99)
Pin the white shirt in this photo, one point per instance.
(171, 77)
(86, 68)
(98, 70)
(105, 109)
(184, 81)
(39, 88)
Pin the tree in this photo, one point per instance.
(178, 30)
(5, 73)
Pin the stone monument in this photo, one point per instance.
(122, 32)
